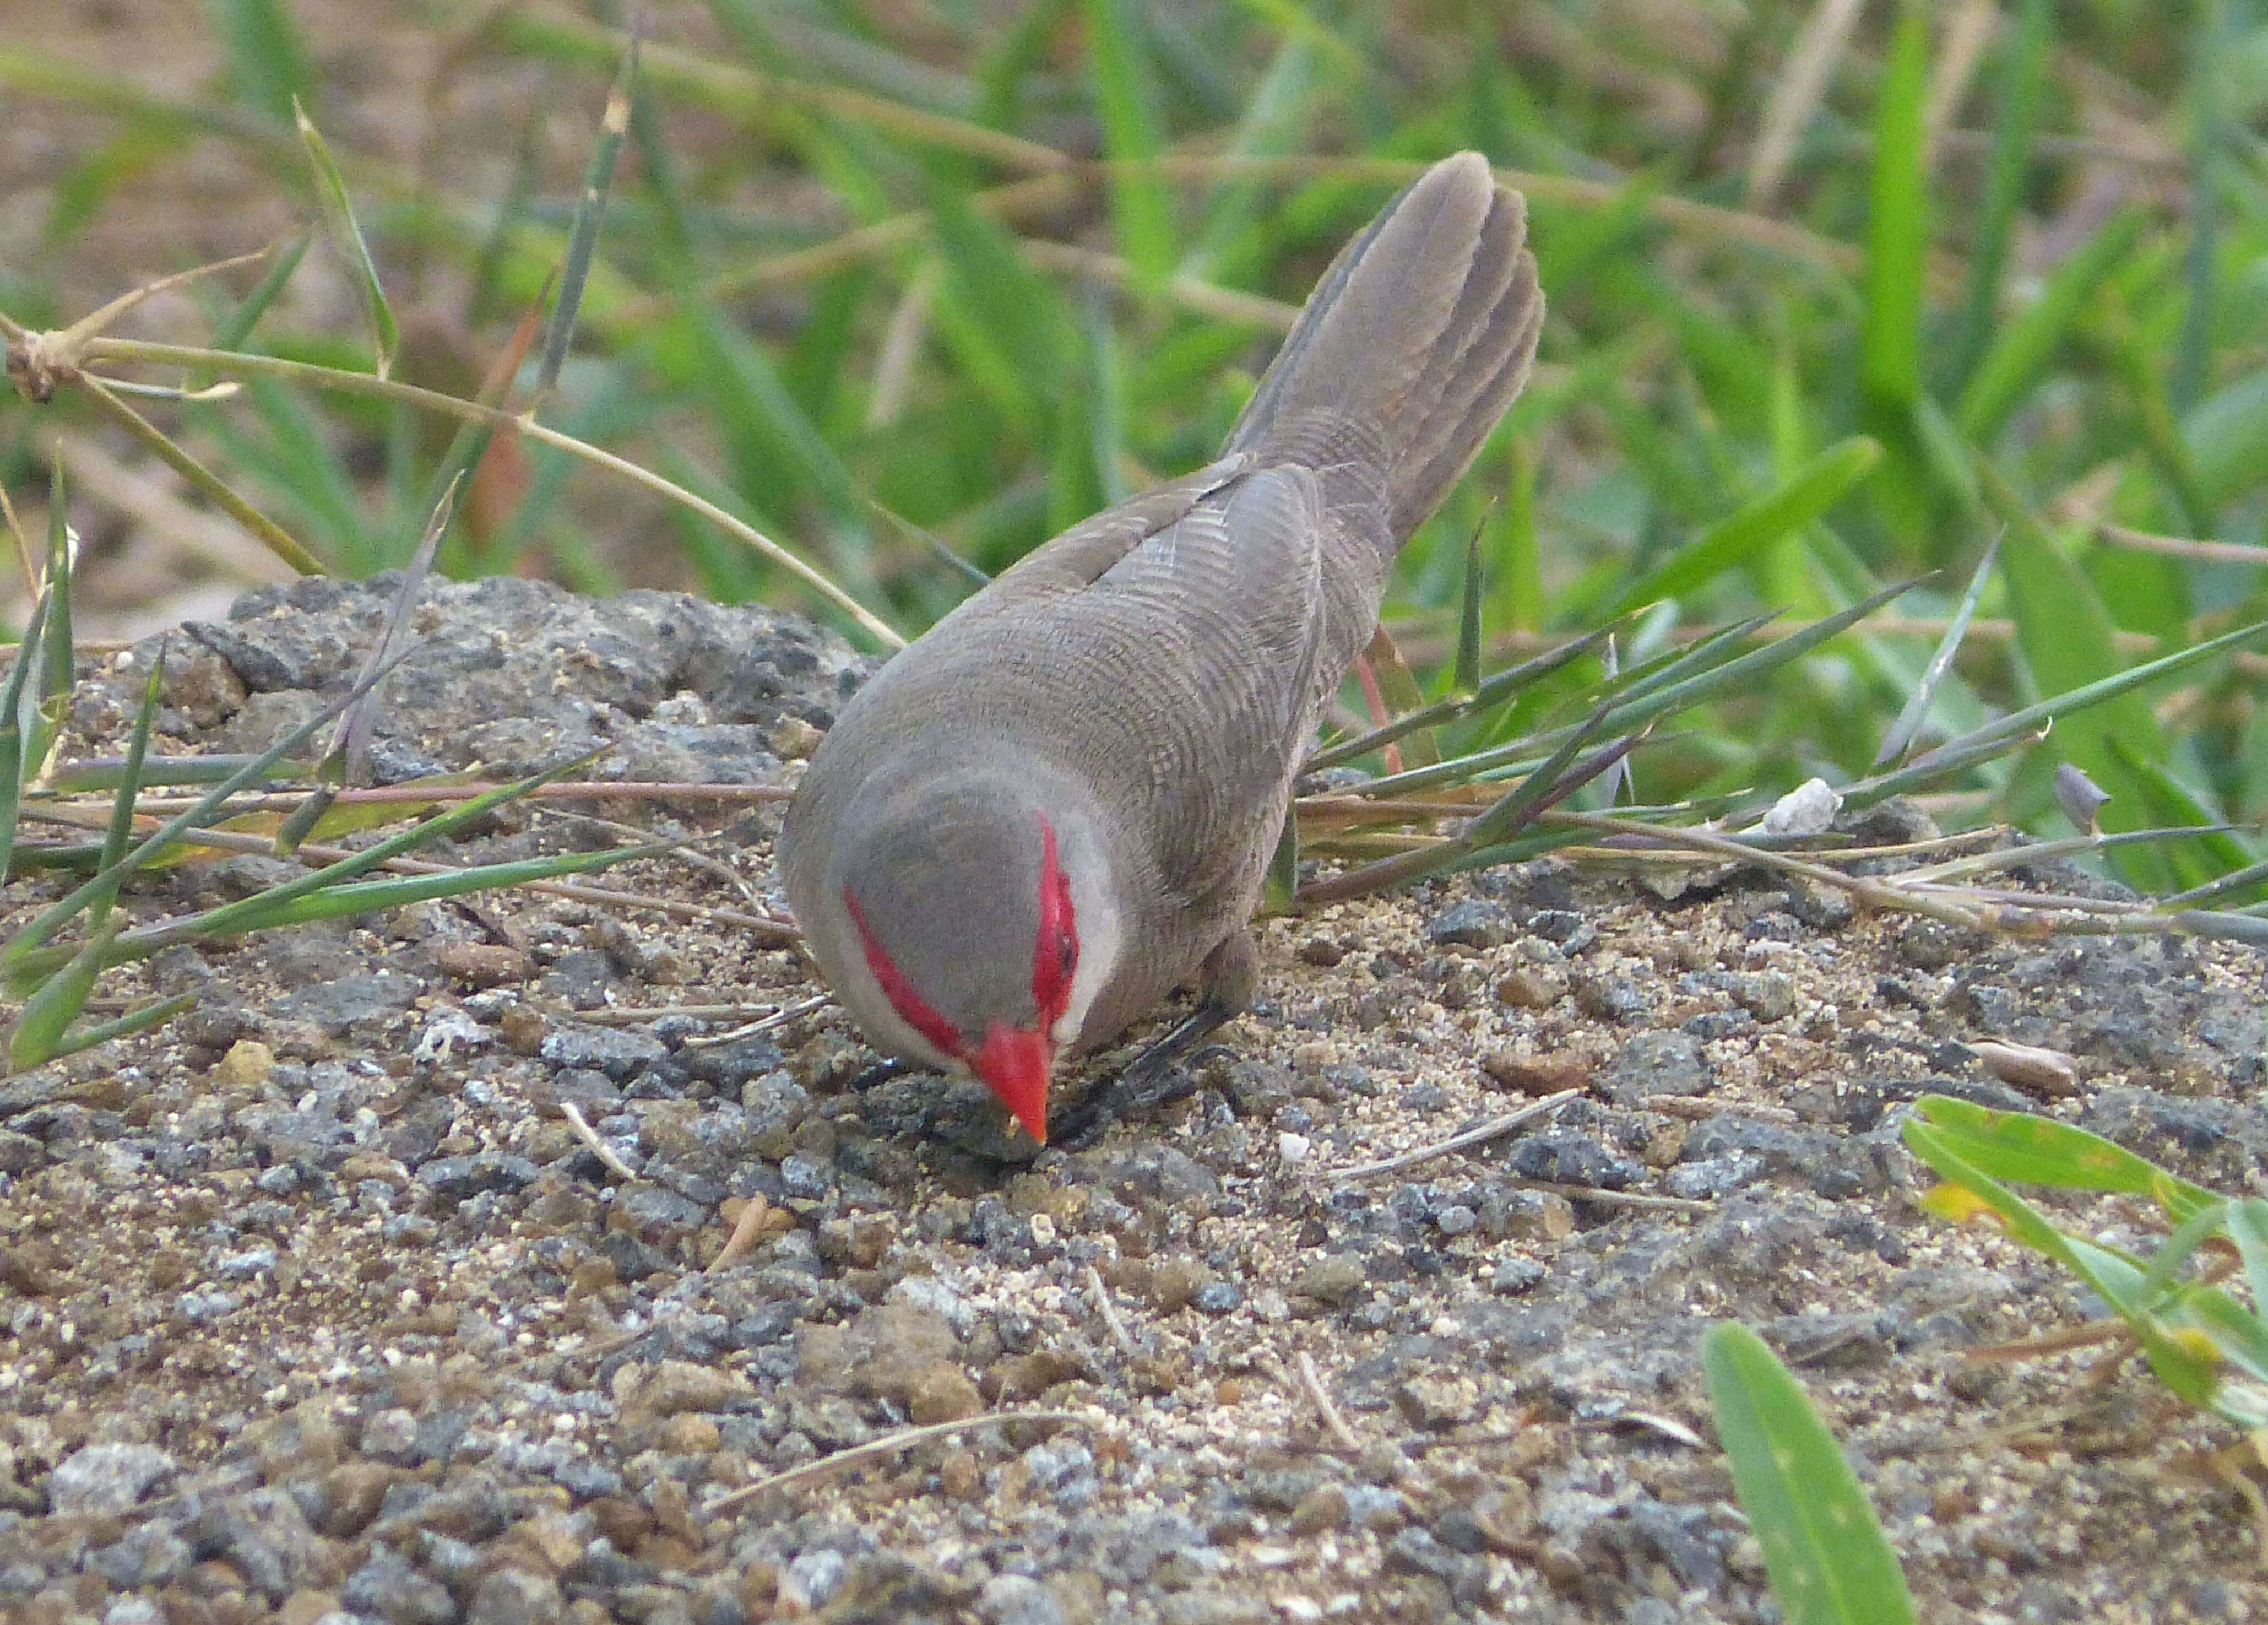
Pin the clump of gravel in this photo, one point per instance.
(317, 1305)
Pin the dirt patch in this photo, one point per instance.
(317, 1301)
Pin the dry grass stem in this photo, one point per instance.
(888, 1445)
(1108, 1313)
(1495, 1128)
(599, 1147)
(1335, 1424)
(779, 1017)
(1796, 95)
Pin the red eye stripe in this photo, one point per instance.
(908, 1004)
(1054, 954)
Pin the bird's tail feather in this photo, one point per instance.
(1414, 342)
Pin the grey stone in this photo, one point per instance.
(106, 1478)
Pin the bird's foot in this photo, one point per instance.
(881, 1073)
(1152, 1079)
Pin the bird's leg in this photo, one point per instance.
(1225, 987)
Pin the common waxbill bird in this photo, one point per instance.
(1058, 804)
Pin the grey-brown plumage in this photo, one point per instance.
(1132, 699)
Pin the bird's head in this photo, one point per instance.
(965, 905)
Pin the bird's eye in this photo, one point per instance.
(1066, 951)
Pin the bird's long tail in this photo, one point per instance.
(1413, 343)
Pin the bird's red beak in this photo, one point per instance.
(1015, 1063)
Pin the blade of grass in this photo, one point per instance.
(1916, 708)
(1142, 211)
(1465, 671)
(264, 55)
(237, 327)
(130, 789)
(2022, 70)
(1737, 538)
(590, 214)
(1896, 231)
(263, 530)
(347, 239)
(2027, 342)
(49, 919)
(39, 1026)
(1490, 690)
(1829, 1561)
(2043, 1150)
(135, 1021)
(42, 723)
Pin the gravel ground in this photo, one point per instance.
(317, 1305)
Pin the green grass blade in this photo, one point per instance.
(1829, 1561)
(1491, 689)
(237, 327)
(1738, 537)
(374, 896)
(58, 652)
(2022, 73)
(1898, 233)
(1465, 673)
(1142, 209)
(1511, 811)
(264, 54)
(2247, 1228)
(51, 919)
(1743, 672)
(55, 1003)
(1282, 885)
(2176, 1250)
(347, 238)
(590, 214)
(129, 787)
(2027, 341)
(134, 1020)
(248, 913)
(1940, 660)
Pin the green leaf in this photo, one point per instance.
(2042, 1150)
(1739, 537)
(1829, 1561)
(347, 238)
(1897, 232)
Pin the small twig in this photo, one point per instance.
(2183, 547)
(1494, 1128)
(779, 1017)
(1613, 1198)
(600, 1149)
(1334, 1424)
(1103, 1307)
(888, 1445)
(1697, 1108)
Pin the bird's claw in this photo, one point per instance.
(1152, 1080)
